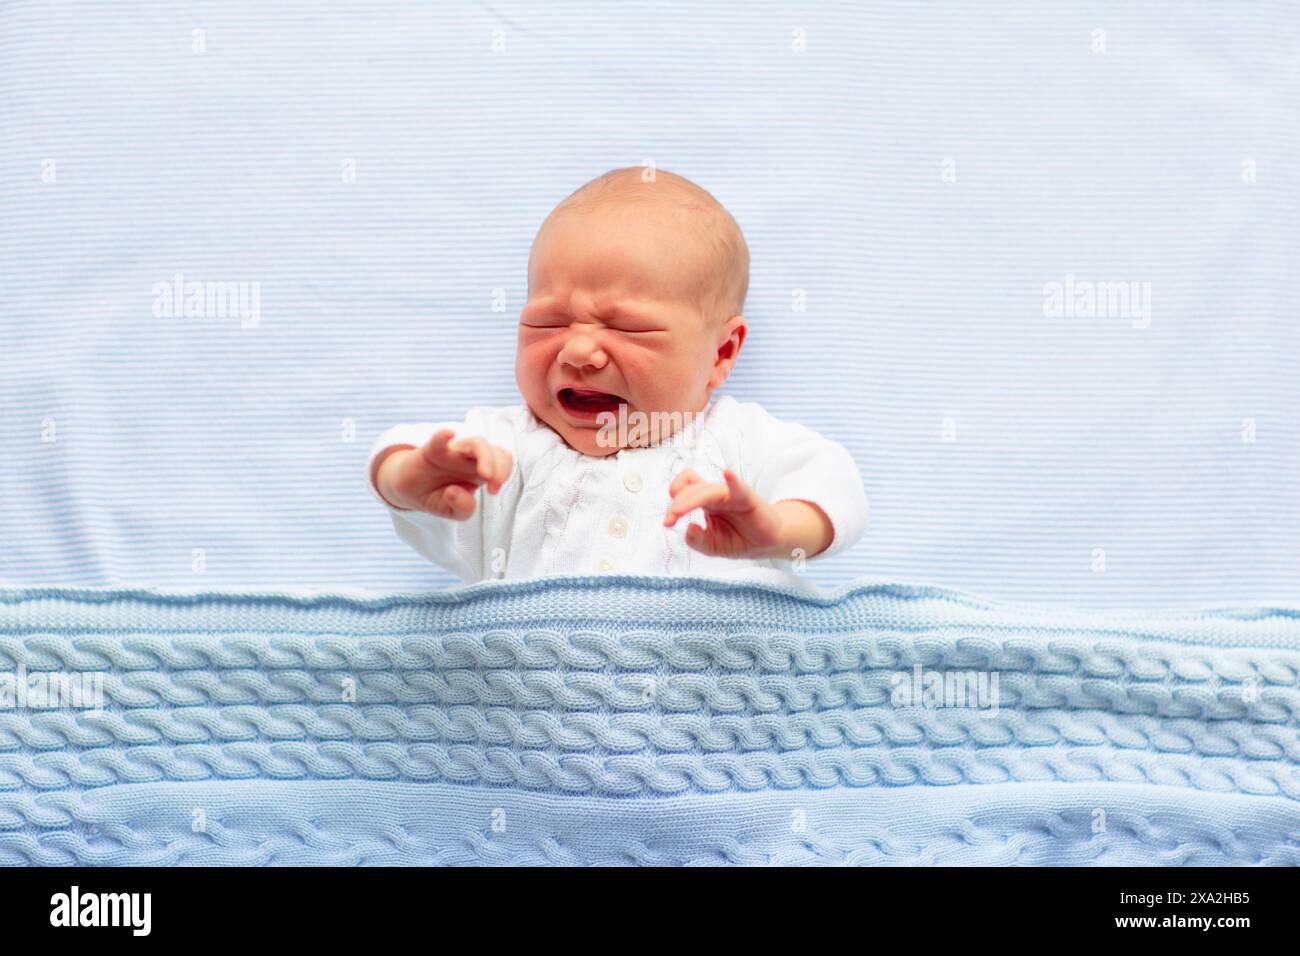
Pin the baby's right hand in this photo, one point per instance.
(442, 476)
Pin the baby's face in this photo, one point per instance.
(614, 317)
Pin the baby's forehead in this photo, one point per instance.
(673, 235)
(710, 251)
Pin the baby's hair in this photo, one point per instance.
(715, 225)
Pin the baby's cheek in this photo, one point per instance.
(642, 371)
(531, 362)
(665, 380)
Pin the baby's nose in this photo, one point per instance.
(583, 349)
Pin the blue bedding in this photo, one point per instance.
(646, 720)
(911, 178)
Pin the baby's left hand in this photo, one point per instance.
(738, 523)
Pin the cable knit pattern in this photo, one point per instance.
(263, 728)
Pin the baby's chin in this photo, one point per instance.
(590, 440)
(611, 433)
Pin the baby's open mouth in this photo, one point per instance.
(587, 402)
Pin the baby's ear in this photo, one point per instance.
(731, 336)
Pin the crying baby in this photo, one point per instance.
(636, 291)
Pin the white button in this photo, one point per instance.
(604, 565)
(618, 527)
(632, 482)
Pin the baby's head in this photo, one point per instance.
(636, 293)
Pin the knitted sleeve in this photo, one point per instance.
(786, 460)
(465, 548)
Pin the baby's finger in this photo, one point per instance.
(491, 465)
(466, 448)
(474, 456)
(483, 455)
(507, 467)
(435, 449)
(700, 539)
(692, 497)
(457, 457)
(686, 477)
(501, 466)
(457, 503)
(741, 497)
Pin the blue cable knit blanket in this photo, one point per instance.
(641, 720)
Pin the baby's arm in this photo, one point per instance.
(739, 523)
(427, 476)
(807, 529)
(804, 498)
(441, 476)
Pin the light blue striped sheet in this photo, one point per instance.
(181, 438)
